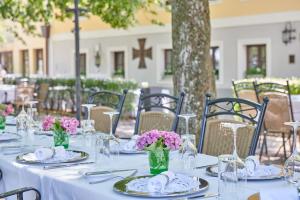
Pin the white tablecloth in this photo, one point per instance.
(66, 183)
(10, 90)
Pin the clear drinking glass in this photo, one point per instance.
(188, 149)
(22, 122)
(114, 142)
(88, 126)
(32, 123)
(105, 153)
(227, 177)
(241, 171)
(292, 164)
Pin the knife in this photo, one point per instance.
(65, 165)
(203, 196)
(200, 196)
(205, 166)
(108, 172)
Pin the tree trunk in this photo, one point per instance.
(193, 72)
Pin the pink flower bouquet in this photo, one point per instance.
(155, 138)
(158, 144)
(65, 124)
(6, 110)
(62, 128)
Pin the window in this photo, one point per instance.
(6, 60)
(119, 63)
(256, 59)
(168, 62)
(39, 61)
(25, 62)
(215, 60)
(82, 64)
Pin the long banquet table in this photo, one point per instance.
(67, 184)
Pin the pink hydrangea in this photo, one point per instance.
(48, 123)
(171, 140)
(8, 110)
(69, 124)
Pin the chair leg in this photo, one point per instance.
(264, 146)
(283, 143)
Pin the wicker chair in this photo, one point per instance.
(279, 111)
(215, 140)
(24, 89)
(19, 192)
(245, 90)
(158, 111)
(106, 101)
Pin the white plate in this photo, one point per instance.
(8, 136)
(213, 171)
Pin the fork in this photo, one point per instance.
(113, 177)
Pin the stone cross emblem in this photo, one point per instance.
(142, 53)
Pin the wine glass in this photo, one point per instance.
(114, 143)
(292, 164)
(22, 122)
(237, 166)
(32, 123)
(188, 150)
(88, 126)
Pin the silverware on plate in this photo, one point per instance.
(108, 172)
(200, 196)
(55, 166)
(205, 166)
(114, 177)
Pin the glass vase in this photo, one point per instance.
(61, 139)
(158, 160)
(2, 123)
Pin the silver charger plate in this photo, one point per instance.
(120, 187)
(213, 171)
(41, 132)
(122, 151)
(10, 136)
(22, 158)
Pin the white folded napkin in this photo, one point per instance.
(254, 168)
(43, 153)
(131, 144)
(157, 184)
(60, 153)
(279, 193)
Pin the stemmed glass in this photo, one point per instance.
(234, 127)
(188, 150)
(22, 121)
(32, 123)
(292, 164)
(114, 143)
(236, 168)
(88, 126)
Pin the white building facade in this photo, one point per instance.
(237, 44)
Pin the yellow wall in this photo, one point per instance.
(16, 46)
(235, 8)
(224, 9)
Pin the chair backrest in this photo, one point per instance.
(280, 107)
(158, 111)
(25, 89)
(215, 140)
(244, 90)
(106, 101)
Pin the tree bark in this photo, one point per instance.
(193, 72)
